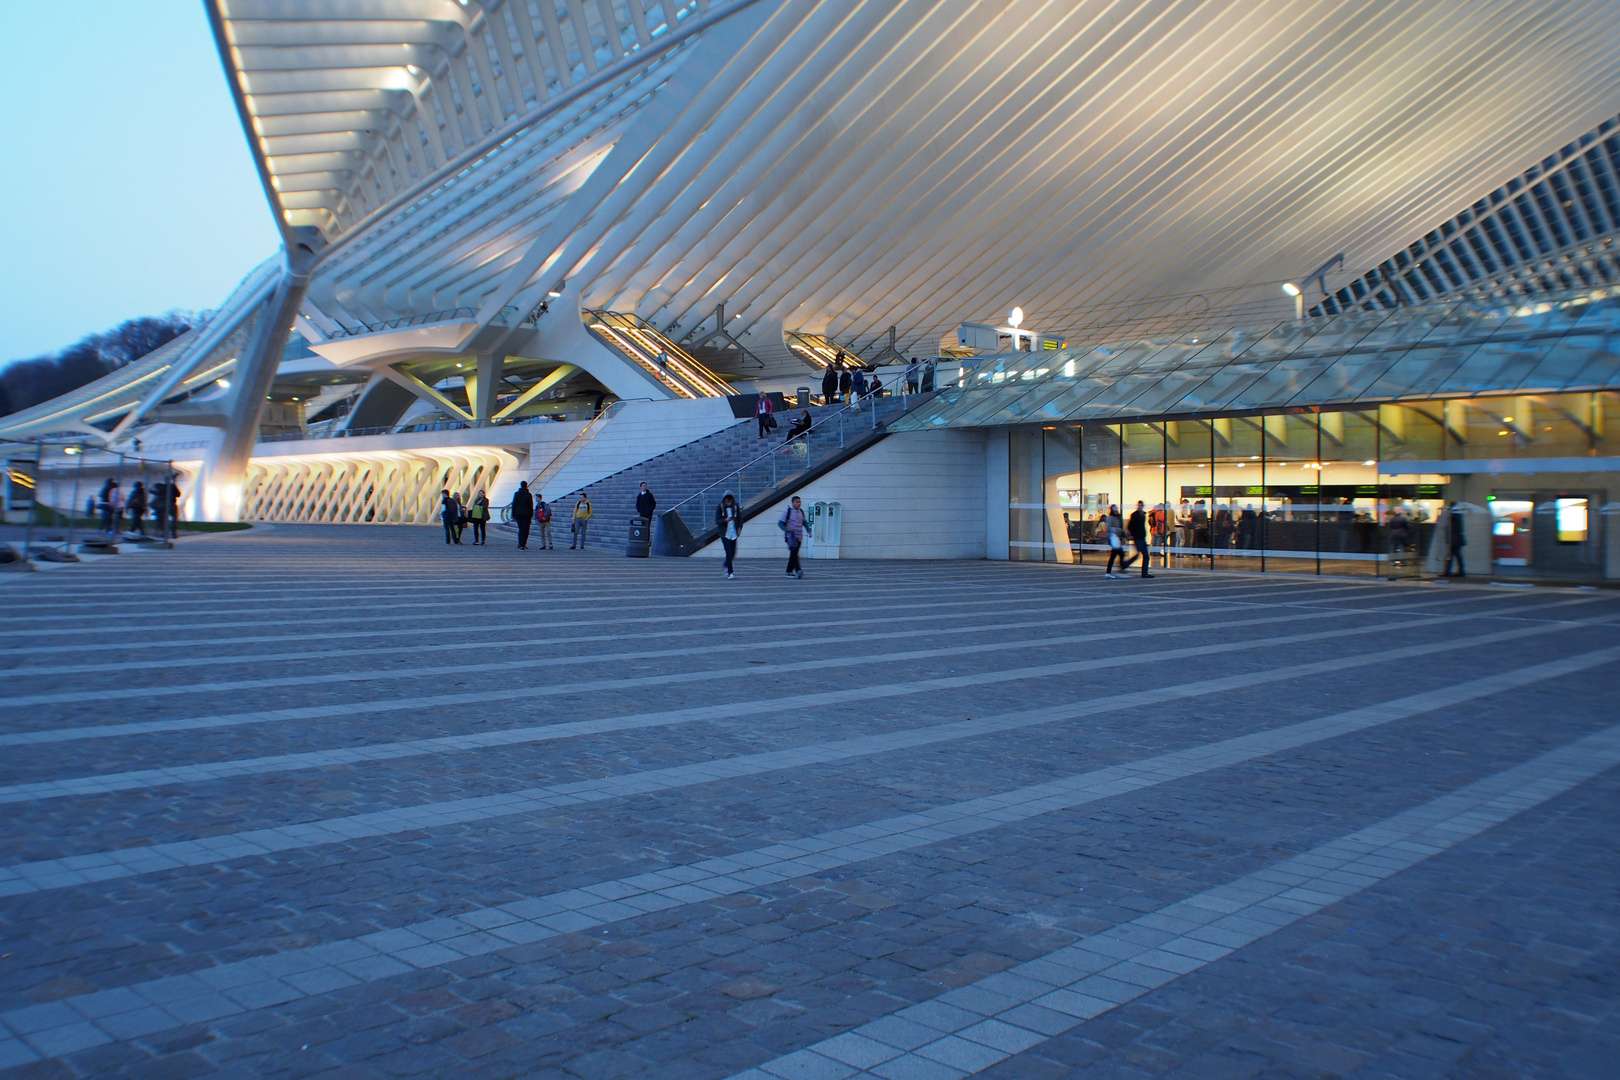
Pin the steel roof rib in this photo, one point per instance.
(844, 166)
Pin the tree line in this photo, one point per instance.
(26, 383)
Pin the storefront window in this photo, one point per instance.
(1357, 491)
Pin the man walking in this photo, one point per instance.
(794, 525)
(1137, 527)
(1457, 539)
(542, 517)
(523, 513)
(646, 504)
(582, 521)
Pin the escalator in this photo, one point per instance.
(645, 346)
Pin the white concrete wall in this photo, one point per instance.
(918, 495)
(638, 431)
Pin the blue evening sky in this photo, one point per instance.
(126, 184)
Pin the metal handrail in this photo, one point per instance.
(776, 449)
(575, 445)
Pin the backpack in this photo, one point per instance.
(544, 513)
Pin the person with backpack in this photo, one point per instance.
(523, 513)
(728, 519)
(794, 526)
(137, 508)
(448, 512)
(582, 521)
(542, 517)
(478, 515)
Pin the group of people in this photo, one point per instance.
(162, 500)
(845, 381)
(793, 522)
(457, 515)
(528, 510)
(1117, 530)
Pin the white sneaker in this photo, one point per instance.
(730, 576)
(1106, 574)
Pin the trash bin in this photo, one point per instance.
(640, 545)
(804, 397)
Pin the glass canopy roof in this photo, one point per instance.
(1452, 348)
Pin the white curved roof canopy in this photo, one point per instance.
(846, 165)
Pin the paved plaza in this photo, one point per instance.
(345, 802)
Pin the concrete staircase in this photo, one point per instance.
(672, 476)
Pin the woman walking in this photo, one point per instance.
(478, 514)
(728, 519)
(794, 525)
(1116, 541)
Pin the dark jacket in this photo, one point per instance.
(829, 382)
(522, 505)
(845, 381)
(1137, 526)
(645, 505)
(720, 518)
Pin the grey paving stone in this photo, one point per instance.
(754, 904)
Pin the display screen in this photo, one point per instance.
(1570, 520)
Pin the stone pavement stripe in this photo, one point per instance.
(584, 686)
(968, 1029)
(90, 1019)
(352, 625)
(69, 871)
(104, 782)
(499, 584)
(932, 613)
(371, 674)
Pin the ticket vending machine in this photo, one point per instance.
(826, 530)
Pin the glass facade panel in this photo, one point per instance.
(1044, 494)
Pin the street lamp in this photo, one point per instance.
(1299, 300)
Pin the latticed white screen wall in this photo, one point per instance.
(383, 488)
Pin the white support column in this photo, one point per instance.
(996, 449)
(226, 467)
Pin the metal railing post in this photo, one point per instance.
(33, 506)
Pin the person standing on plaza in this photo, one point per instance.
(829, 384)
(582, 521)
(728, 519)
(137, 508)
(542, 517)
(646, 504)
(794, 526)
(1137, 527)
(478, 514)
(1456, 540)
(448, 512)
(523, 513)
(461, 515)
(1115, 532)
